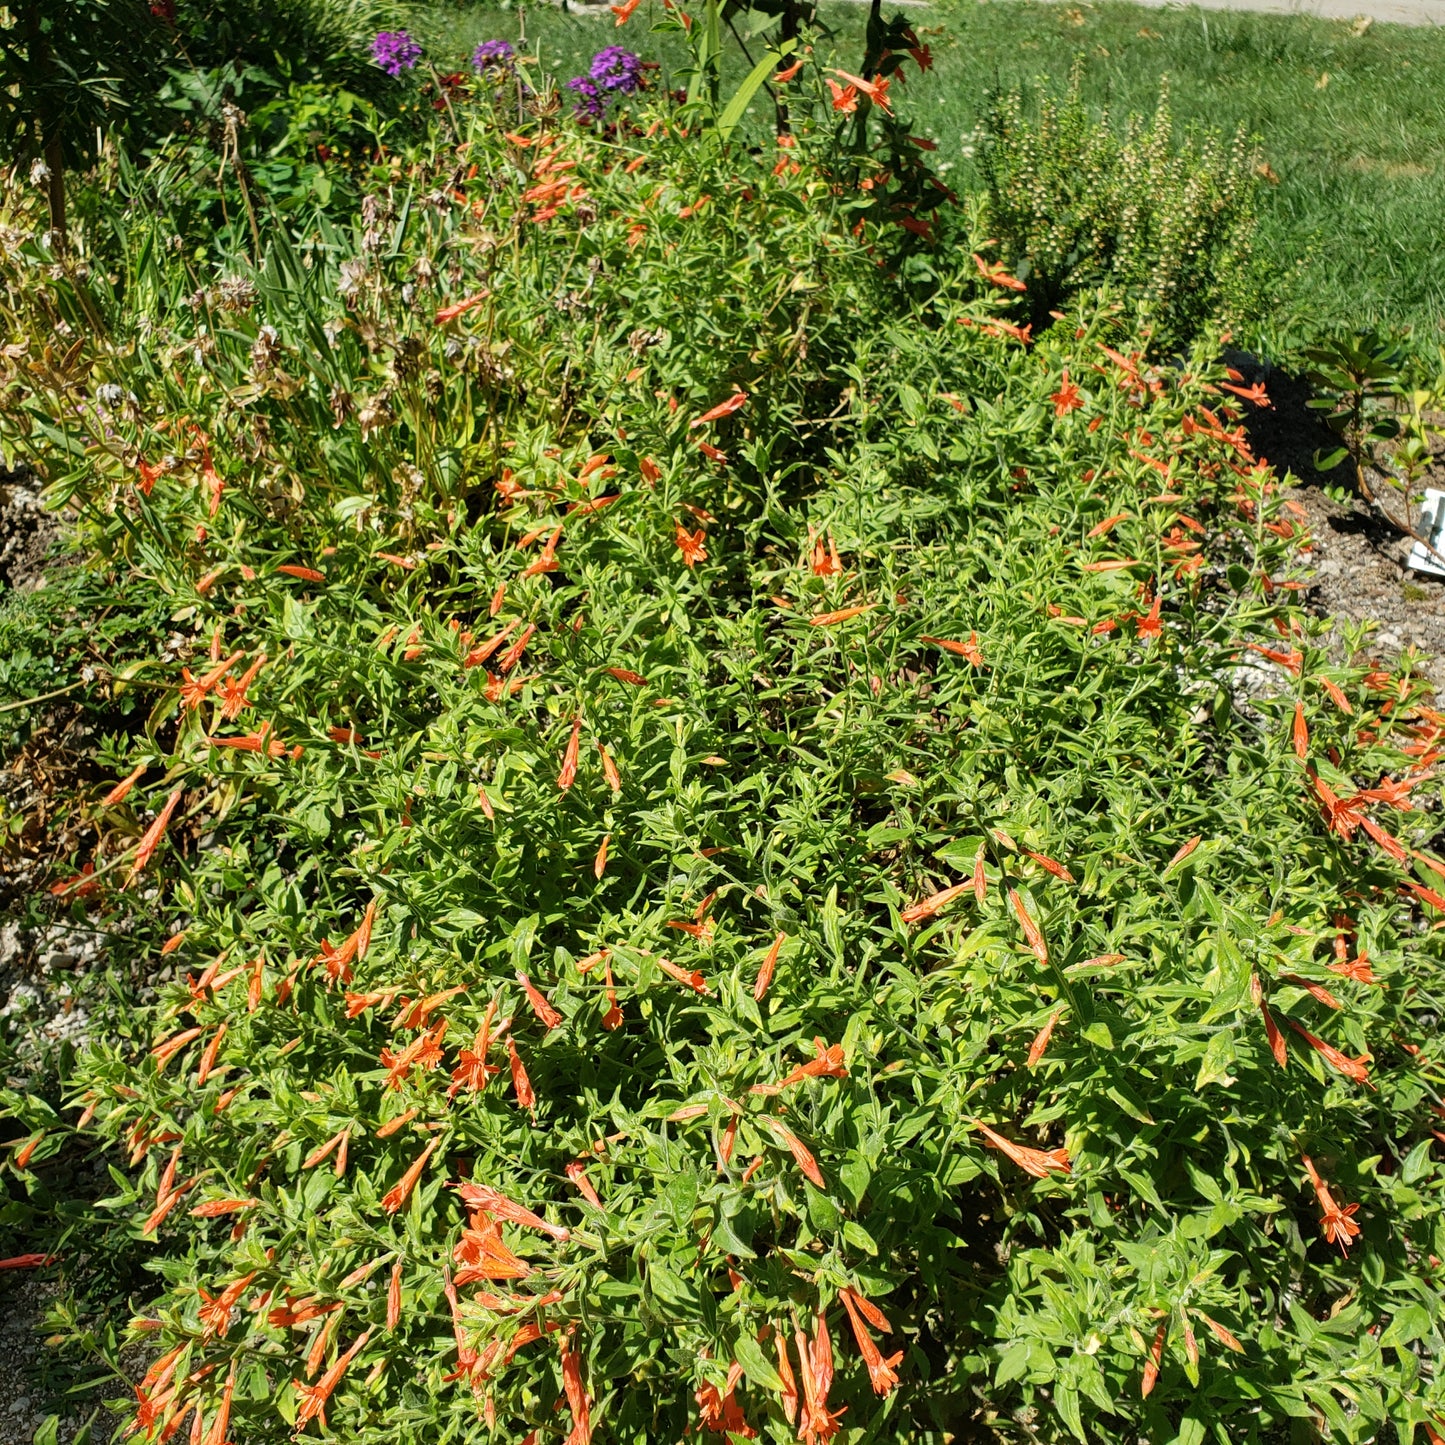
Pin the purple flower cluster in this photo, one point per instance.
(395, 51)
(613, 72)
(493, 55)
(615, 69)
(588, 103)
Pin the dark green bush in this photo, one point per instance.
(1168, 222)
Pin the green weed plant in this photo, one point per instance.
(1074, 204)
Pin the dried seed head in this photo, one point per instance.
(265, 351)
(236, 293)
(342, 404)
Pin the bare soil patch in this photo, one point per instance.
(1357, 559)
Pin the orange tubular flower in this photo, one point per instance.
(1336, 1224)
(395, 1198)
(151, 838)
(1277, 1045)
(1155, 1360)
(208, 1057)
(1038, 1162)
(167, 1049)
(513, 655)
(1357, 969)
(1067, 398)
(577, 1173)
(484, 1255)
(30, 1261)
(577, 1401)
(521, 1083)
(546, 1014)
(599, 863)
(215, 1314)
(1030, 928)
(725, 408)
(845, 98)
(624, 11)
(609, 770)
(1300, 733)
(495, 1203)
(997, 275)
(702, 931)
(690, 544)
(691, 977)
(785, 1373)
(337, 961)
(1041, 1040)
(424, 1051)
(194, 690)
(721, 1413)
(233, 694)
(828, 1064)
(782, 77)
(800, 1153)
(969, 649)
(622, 674)
(358, 1003)
(460, 308)
(546, 559)
(1315, 990)
(118, 793)
(843, 614)
(816, 1422)
(769, 963)
(881, 1373)
(1387, 841)
(1049, 866)
(825, 561)
(1356, 1069)
(313, 1398)
(400, 1122)
(728, 1142)
(568, 775)
(484, 650)
(393, 1298)
(323, 1151)
(612, 1019)
(216, 1435)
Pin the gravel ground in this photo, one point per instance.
(1360, 576)
(39, 1010)
(27, 531)
(21, 1308)
(38, 973)
(1357, 559)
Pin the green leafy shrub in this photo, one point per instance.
(310, 41)
(700, 800)
(1168, 222)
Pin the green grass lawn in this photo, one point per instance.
(1352, 125)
